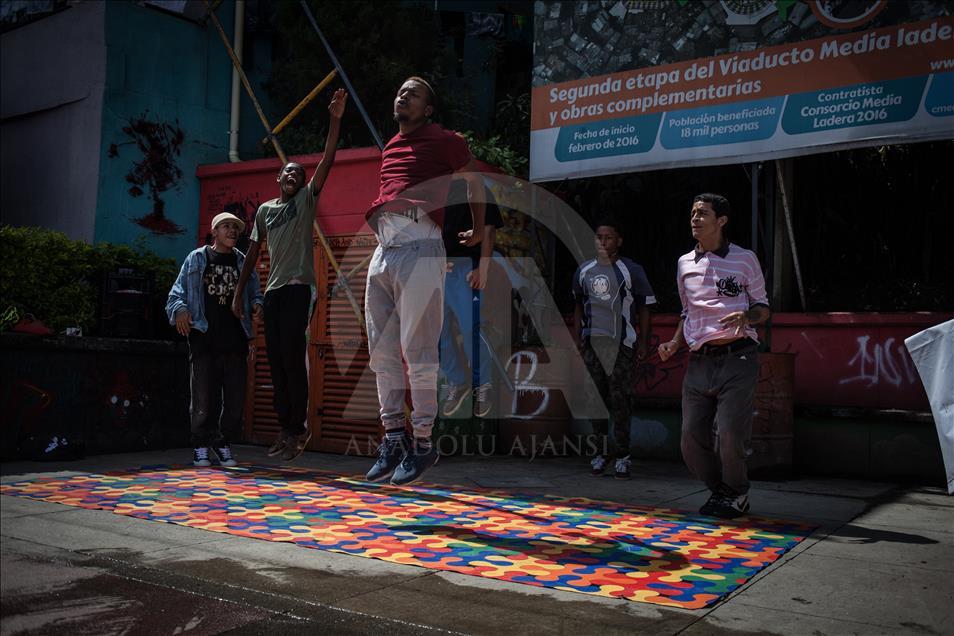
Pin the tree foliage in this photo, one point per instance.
(379, 44)
(58, 280)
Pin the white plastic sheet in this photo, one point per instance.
(933, 353)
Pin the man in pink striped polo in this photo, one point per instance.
(723, 297)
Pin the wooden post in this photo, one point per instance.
(301, 105)
(787, 209)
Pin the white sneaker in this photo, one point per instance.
(598, 465)
(622, 467)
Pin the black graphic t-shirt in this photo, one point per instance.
(225, 334)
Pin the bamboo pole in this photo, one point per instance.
(281, 155)
(344, 280)
(301, 105)
(791, 233)
(242, 76)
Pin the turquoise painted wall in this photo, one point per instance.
(165, 112)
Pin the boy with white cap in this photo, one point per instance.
(199, 307)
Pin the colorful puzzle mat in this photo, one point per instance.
(655, 555)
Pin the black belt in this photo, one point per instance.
(727, 348)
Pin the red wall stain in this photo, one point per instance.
(157, 171)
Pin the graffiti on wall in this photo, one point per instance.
(653, 372)
(883, 362)
(244, 209)
(226, 198)
(157, 171)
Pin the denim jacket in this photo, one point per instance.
(188, 292)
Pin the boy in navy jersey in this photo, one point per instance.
(612, 320)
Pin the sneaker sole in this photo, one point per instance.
(275, 451)
(300, 449)
(421, 474)
(379, 479)
(385, 477)
(453, 411)
(201, 464)
(725, 514)
(482, 414)
(228, 463)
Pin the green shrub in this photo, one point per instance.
(58, 280)
(497, 153)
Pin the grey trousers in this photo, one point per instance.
(717, 395)
(404, 309)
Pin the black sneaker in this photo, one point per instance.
(200, 457)
(415, 462)
(390, 454)
(622, 467)
(295, 446)
(278, 446)
(224, 455)
(716, 501)
(732, 507)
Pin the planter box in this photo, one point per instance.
(103, 395)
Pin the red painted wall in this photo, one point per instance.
(241, 187)
(842, 359)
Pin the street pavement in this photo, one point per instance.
(880, 562)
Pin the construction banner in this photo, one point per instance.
(639, 85)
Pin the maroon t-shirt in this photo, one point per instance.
(411, 165)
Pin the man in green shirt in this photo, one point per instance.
(285, 224)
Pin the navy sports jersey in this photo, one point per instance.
(611, 296)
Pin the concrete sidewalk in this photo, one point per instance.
(880, 562)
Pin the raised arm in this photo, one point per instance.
(336, 110)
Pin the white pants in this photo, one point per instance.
(404, 308)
